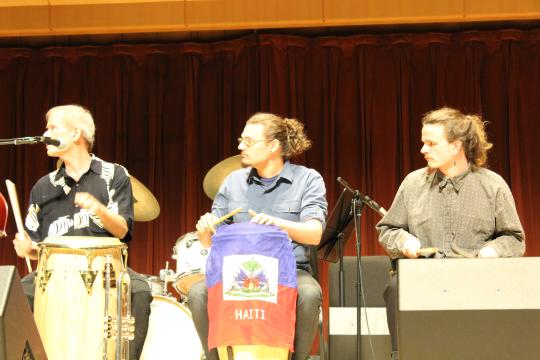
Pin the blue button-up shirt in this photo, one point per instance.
(297, 194)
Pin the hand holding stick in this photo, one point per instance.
(225, 217)
(12, 192)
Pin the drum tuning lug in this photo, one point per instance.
(88, 277)
(109, 269)
(44, 279)
(166, 274)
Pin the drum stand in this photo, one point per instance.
(167, 275)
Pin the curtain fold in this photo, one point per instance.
(169, 112)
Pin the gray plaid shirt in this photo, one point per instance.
(457, 215)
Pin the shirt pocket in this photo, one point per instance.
(476, 231)
(288, 210)
(241, 216)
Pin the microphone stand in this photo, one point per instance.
(358, 205)
(358, 202)
(22, 141)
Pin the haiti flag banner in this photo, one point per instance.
(252, 288)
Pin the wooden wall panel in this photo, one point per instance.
(63, 17)
(253, 13)
(391, 11)
(501, 9)
(24, 17)
(73, 17)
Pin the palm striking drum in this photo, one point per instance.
(252, 290)
(76, 289)
(171, 332)
(190, 258)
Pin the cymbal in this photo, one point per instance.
(217, 174)
(145, 205)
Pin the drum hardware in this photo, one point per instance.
(88, 276)
(167, 276)
(43, 279)
(109, 275)
(122, 326)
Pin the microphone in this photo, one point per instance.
(37, 140)
(366, 199)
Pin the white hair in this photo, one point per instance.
(78, 117)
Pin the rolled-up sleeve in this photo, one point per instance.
(220, 206)
(314, 205)
(509, 237)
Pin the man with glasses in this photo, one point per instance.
(270, 190)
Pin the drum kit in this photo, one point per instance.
(95, 273)
(170, 317)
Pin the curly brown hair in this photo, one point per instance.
(289, 132)
(469, 129)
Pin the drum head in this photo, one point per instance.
(190, 258)
(186, 239)
(78, 242)
(171, 332)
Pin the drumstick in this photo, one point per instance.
(427, 252)
(12, 192)
(225, 217)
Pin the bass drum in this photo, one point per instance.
(171, 332)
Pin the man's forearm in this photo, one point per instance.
(308, 232)
(113, 223)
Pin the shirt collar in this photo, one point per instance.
(438, 178)
(285, 174)
(95, 166)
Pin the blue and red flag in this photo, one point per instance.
(252, 288)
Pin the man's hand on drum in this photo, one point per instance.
(488, 252)
(89, 202)
(24, 246)
(411, 248)
(205, 228)
(262, 218)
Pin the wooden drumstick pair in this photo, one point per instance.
(12, 192)
(225, 217)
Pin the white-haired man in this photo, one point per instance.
(86, 196)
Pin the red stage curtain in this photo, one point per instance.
(169, 112)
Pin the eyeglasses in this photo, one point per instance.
(249, 141)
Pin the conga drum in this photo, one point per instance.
(252, 290)
(70, 302)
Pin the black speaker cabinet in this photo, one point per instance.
(342, 320)
(19, 337)
(469, 309)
